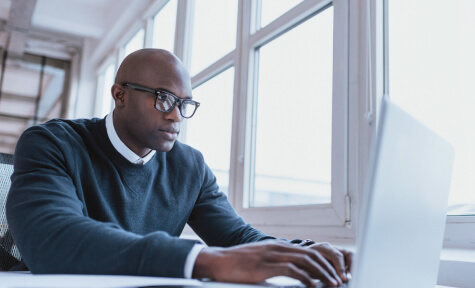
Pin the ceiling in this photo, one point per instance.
(39, 23)
(51, 28)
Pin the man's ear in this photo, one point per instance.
(118, 92)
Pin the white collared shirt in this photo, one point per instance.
(121, 147)
(134, 158)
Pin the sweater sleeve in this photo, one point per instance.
(54, 235)
(215, 220)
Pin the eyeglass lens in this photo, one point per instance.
(167, 102)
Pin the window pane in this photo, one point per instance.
(294, 116)
(135, 43)
(107, 80)
(214, 32)
(272, 9)
(431, 75)
(210, 128)
(164, 27)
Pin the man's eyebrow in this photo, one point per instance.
(168, 91)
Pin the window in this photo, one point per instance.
(431, 75)
(294, 116)
(104, 102)
(272, 9)
(276, 177)
(210, 128)
(213, 32)
(247, 84)
(164, 26)
(135, 43)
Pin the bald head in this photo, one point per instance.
(141, 63)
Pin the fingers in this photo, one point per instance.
(341, 259)
(348, 259)
(309, 260)
(334, 263)
(249, 263)
(311, 263)
(290, 270)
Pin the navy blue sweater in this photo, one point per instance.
(77, 206)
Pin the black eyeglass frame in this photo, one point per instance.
(158, 92)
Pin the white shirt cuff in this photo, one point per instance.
(191, 259)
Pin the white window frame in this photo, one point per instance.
(328, 219)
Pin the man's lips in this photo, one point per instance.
(170, 134)
(170, 130)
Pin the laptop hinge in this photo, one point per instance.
(347, 211)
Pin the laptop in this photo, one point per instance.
(403, 214)
(402, 220)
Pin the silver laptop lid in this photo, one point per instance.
(404, 207)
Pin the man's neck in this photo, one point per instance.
(133, 155)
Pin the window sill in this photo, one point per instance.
(456, 267)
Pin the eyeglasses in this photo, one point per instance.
(166, 101)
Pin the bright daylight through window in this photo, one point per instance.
(135, 43)
(271, 9)
(105, 82)
(431, 75)
(294, 116)
(164, 26)
(214, 32)
(209, 130)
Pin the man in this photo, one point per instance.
(111, 196)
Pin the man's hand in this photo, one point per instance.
(256, 262)
(339, 258)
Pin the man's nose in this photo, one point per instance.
(174, 115)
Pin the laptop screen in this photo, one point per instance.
(404, 207)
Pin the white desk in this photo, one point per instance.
(27, 280)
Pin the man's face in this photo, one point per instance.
(144, 126)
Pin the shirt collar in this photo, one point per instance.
(121, 147)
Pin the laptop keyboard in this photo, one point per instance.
(319, 285)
